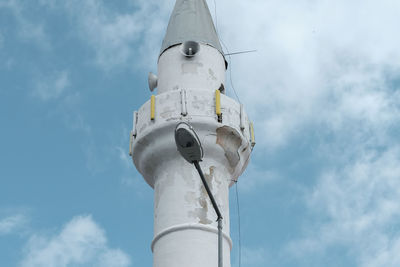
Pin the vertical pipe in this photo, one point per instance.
(135, 119)
(220, 249)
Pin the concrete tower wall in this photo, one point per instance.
(204, 71)
(185, 227)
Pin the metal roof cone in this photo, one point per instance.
(191, 21)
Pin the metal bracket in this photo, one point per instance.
(135, 119)
(183, 103)
(133, 133)
(242, 127)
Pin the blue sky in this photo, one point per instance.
(323, 91)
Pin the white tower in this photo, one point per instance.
(191, 78)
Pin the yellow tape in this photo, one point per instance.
(152, 107)
(253, 139)
(218, 102)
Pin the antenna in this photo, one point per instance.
(240, 52)
(153, 81)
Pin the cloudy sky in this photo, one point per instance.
(323, 89)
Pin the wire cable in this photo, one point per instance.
(237, 97)
(227, 50)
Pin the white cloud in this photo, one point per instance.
(358, 207)
(27, 29)
(115, 37)
(52, 86)
(317, 61)
(328, 70)
(11, 224)
(313, 58)
(81, 241)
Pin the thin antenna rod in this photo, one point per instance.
(241, 52)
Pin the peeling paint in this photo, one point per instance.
(209, 177)
(201, 213)
(230, 142)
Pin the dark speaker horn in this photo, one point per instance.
(190, 48)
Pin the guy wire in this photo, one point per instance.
(228, 53)
(237, 97)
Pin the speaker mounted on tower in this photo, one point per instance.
(153, 81)
(190, 48)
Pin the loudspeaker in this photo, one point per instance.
(153, 81)
(190, 48)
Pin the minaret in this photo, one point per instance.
(190, 88)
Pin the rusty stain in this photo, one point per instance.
(230, 142)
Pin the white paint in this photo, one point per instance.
(204, 71)
(185, 227)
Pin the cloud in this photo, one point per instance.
(28, 30)
(81, 241)
(11, 224)
(313, 59)
(358, 207)
(317, 61)
(117, 38)
(52, 86)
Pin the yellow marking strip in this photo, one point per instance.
(152, 107)
(218, 102)
(253, 140)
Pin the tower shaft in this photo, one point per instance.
(185, 227)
